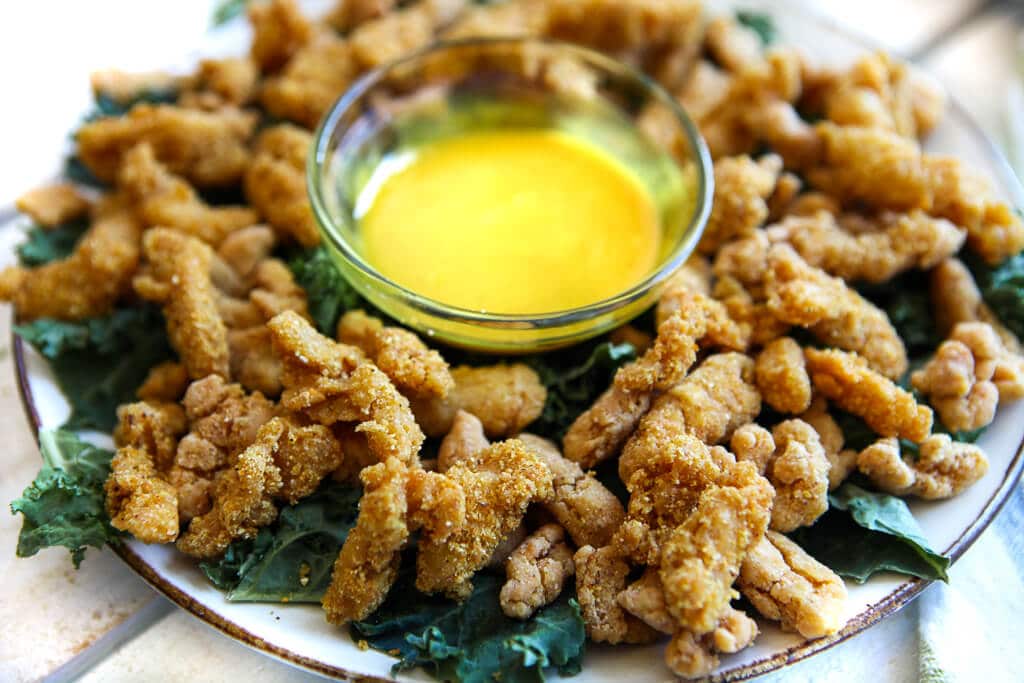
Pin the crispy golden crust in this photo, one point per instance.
(87, 283)
(900, 241)
(153, 428)
(499, 483)
(645, 600)
(588, 511)
(50, 205)
(842, 462)
(303, 454)
(164, 199)
(317, 74)
(347, 14)
(165, 382)
(602, 429)
(956, 299)
(951, 383)
(702, 557)
(415, 370)
(846, 380)
(837, 315)
(613, 25)
(754, 444)
(787, 585)
(536, 572)
(994, 360)
(330, 383)
(275, 183)
(231, 81)
(600, 578)
(943, 468)
(799, 472)
(209, 149)
(279, 29)
(139, 500)
(718, 397)
(177, 276)
(742, 187)
(463, 441)
(781, 376)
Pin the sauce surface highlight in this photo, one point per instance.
(510, 221)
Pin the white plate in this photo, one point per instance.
(299, 634)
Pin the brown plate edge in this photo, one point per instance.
(895, 601)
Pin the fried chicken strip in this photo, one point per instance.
(536, 572)
(799, 472)
(943, 468)
(600, 578)
(275, 183)
(781, 376)
(51, 205)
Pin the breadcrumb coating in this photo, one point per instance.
(153, 428)
(799, 472)
(600, 578)
(846, 380)
(754, 444)
(993, 359)
(51, 205)
(645, 600)
(787, 585)
(613, 25)
(164, 199)
(310, 82)
(330, 383)
(842, 462)
(536, 572)
(464, 440)
(304, 454)
(416, 370)
(951, 383)
(943, 468)
(177, 276)
(588, 511)
(139, 500)
(279, 29)
(689, 656)
(780, 372)
(834, 313)
(956, 299)
(901, 241)
(742, 187)
(275, 183)
(600, 431)
(499, 483)
(231, 81)
(87, 283)
(718, 397)
(347, 14)
(209, 149)
(165, 382)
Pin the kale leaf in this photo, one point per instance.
(907, 302)
(329, 294)
(573, 386)
(291, 560)
(1002, 287)
(65, 504)
(50, 244)
(226, 10)
(866, 532)
(100, 362)
(760, 23)
(474, 641)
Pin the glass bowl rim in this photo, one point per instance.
(680, 252)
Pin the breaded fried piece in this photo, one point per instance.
(231, 81)
(385, 39)
(139, 500)
(689, 656)
(600, 578)
(645, 600)
(165, 382)
(415, 370)
(311, 81)
(901, 241)
(279, 29)
(702, 557)
(754, 444)
(253, 361)
(718, 397)
(463, 441)
(956, 299)
(964, 399)
(153, 428)
(887, 171)
(209, 149)
(536, 572)
(274, 290)
(88, 282)
(787, 585)
(244, 249)
(628, 334)
(330, 383)
(601, 430)
(834, 313)
(781, 376)
(615, 25)
(347, 14)
(784, 199)
(731, 44)
(304, 454)
(943, 468)
(275, 183)
(368, 562)
(505, 397)
(842, 462)
(682, 296)
(588, 511)
(846, 380)
(164, 199)
(50, 205)
(499, 483)
(745, 260)
(177, 276)
(742, 187)
(242, 503)
(517, 18)
(799, 472)
(754, 318)
(993, 359)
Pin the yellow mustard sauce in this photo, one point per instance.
(510, 221)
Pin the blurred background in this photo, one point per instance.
(103, 622)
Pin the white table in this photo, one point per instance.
(103, 623)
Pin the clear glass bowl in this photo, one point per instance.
(478, 84)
